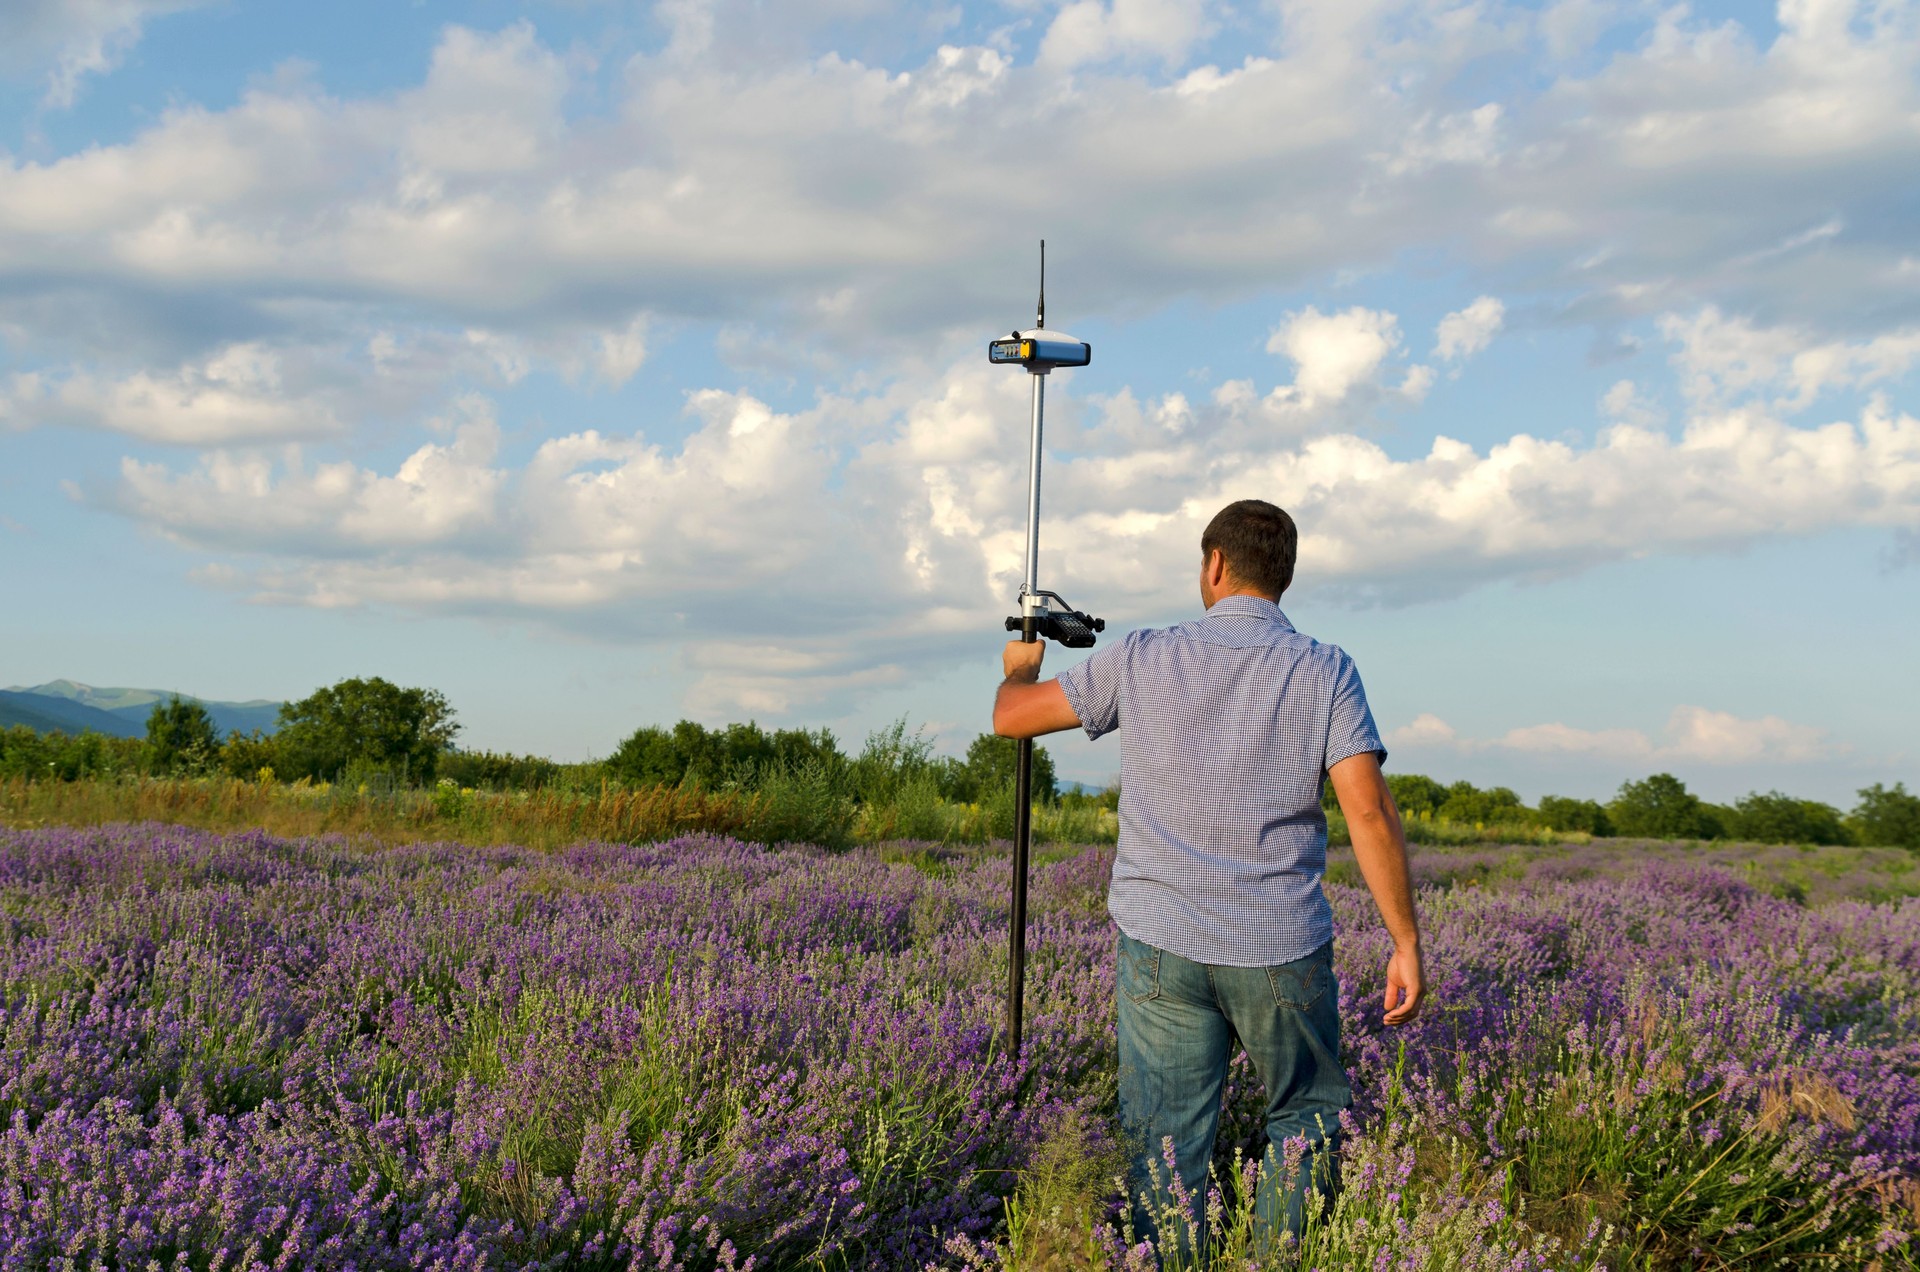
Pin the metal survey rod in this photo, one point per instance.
(1042, 614)
(1039, 379)
(1023, 750)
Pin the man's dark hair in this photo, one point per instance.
(1259, 542)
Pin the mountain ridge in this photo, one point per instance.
(72, 706)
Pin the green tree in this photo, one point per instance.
(1661, 807)
(652, 756)
(740, 753)
(891, 759)
(737, 753)
(1416, 793)
(362, 725)
(989, 769)
(1889, 817)
(791, 750)
(1557, 812)
(1469, 805)
(248, 755)
(58, 757)
(1774, 818)
(952, 778)
(498, 771)
(180, 736)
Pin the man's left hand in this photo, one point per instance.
(1406, 985)
(1021, 659)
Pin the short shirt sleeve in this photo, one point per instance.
(1350, 727)
(1093, 688)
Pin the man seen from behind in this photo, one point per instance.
(1229, 724)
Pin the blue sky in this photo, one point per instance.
(600, 364)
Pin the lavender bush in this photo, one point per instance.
(244, 1052)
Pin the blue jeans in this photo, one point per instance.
(1178, 1024)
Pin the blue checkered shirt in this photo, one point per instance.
(1231, 721)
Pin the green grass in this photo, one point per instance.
(1803, 873)
(806, 805)
(1408, 1201)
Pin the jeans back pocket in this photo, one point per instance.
(1139, 969)
(1301, 983)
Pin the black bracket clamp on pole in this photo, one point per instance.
(1075, 629)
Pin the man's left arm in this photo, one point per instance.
(1380, 850)
(1353, 757)
(1026, 706)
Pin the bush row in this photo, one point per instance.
(369, 732)
(1661, 807)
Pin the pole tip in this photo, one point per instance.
(1041, 319)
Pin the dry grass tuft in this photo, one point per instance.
(1901, 1200)
(1808, 1094)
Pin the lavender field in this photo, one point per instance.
(241, 1051)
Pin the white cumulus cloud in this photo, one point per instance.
(1468, 331)
(491, 104)
(1096, 30)
(235, 395)
(1626, 403)
(438, 492)
(622, 352)
(1723, 357)
(1333, 353)
(68, 40)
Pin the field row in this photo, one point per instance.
(249, 1051)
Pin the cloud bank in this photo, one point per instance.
(811, 192)
(1692, 735)
(250, 294)
(793, 529)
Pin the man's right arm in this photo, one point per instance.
(1380, 848)
(1025, 706)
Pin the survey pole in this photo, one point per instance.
(1042, 615)
(1023, 750)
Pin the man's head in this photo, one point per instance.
(1248, 547)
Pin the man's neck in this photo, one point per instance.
(1258, 596)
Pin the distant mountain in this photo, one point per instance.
(228, 717)
(1063, 785)
(72, 707)
(90, 696)
(46, 713)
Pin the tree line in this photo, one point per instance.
(365, 730)
(1661, 807)
(369, 730)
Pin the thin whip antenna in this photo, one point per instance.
(1041, 321)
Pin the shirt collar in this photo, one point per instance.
(1249, 607)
